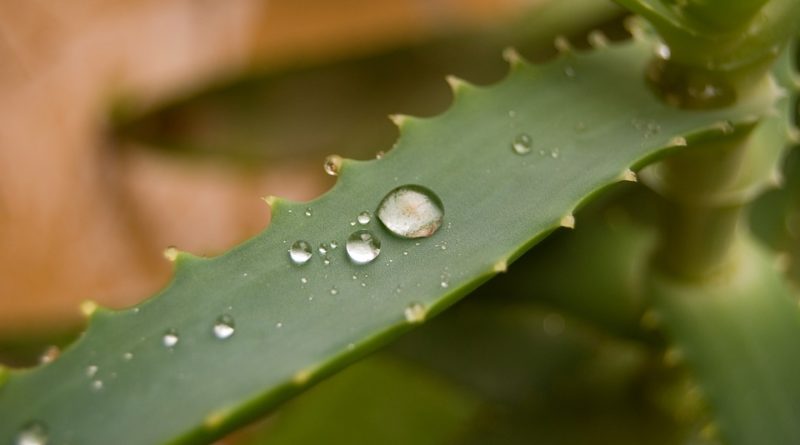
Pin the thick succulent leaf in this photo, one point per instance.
(739, 336)
(590, 117)
(377, 401)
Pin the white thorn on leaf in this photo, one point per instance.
(500, 266)
(629, 175)
(171, 253)
(597, 39)
(302, 376)
(456, 83)
(568, 221)
(562, 44)
(88, 308)
(398, 119)
(678, 141)
(511, 56)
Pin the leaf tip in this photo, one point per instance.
(271, 200)
(568, 221)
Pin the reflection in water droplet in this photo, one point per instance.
(127, 356)
(362, 247)
(33, 433)
(364, 218)
(415, 313)
(522, 144)
(333, 164)
(411, 211)
(304, 280)
(334, 245)
(170, 338)
(334, 291)
(224, 327)
(307, 212)
(323, 248)
(91, 370)
(97, 385)
(300, 252)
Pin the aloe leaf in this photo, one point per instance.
(592, 117)
(412, 406)
(739, 336)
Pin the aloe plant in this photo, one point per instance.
(701, 109)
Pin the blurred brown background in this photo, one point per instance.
(132, 125)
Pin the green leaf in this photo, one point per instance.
(739, 336)
(590, 117)
(380, 400)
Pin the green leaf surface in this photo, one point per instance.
(590, 117)
(377, 401)
(739, 336)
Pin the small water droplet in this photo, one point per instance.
(323, 248)
(33, 433)
(522, 144)
(663, 51)
(355, 277)
(363, 284)
(444, 282)
(300, 252)
(97, 385)
(279, 325)
(91, 370)
(512, 114)
(326, 260)
(332, 165)
(334, 245)
(363, 247)
(569, 71)
(352, 223)
(411, 211)
(224, 327)
(127, 356)
(170, 338)
(554, 153)
(380, 154)
(304, 280)
(415, 313)
(334, 291)
(364, 218)
(308, 212)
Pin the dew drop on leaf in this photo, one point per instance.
(224, 327)
(97, 385)
(300, 252)
(334, 291)
(170, 338)
(127, 356)
(364, 218)
(323, 248)
(307, 212)
(33, 433)
(362, 247)
(522, 144)
(411, 211)
(91, 370)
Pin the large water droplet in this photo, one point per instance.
(170, 338)
(33, 433)
(411, 211)
(522, 144)
(224, 327)
(362, 247)
(364, 218)
(300, 252)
